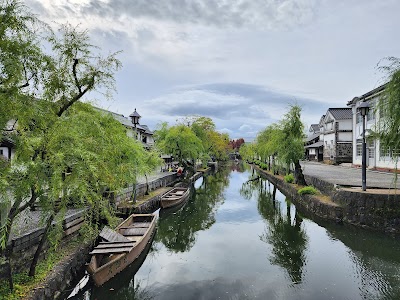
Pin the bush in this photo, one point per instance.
(307, 190)
(289, 178)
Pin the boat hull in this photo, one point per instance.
(168, 203)
(121, 261)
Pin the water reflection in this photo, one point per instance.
(177, 230)
(238, 237)
(287, 236)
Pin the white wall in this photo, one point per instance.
(346, 124)
(345, 137)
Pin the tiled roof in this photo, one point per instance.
(367, 95)
(341, 113)
(315, 127)
(315, 145)
(313, 136)
(125, 121)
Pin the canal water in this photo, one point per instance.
(240, 238)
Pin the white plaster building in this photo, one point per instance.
(377, 157)
(7, 145)
(313, 144)
(336, 135)
(142, 132)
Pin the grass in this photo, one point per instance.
(289, 178)
(307, 190)
(23, 283)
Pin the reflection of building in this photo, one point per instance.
(377, 157)
(142, 132)
(336, 129)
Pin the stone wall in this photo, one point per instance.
(141, 188)
(375, 211)
(378, 211)
(63, 274)
(307, 203)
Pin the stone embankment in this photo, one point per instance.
(376, 209)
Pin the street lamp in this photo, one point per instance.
(364, 108)
(135, 120)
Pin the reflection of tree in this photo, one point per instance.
(288, 239)
(177, 231)
(249, 186)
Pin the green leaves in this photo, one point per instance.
(388, 106)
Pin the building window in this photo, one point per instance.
(384, 151)
(358, 118)
(1, 152)
(359, 147)
(371, 114)
(371, 149)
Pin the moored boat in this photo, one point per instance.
(175, 197)
(120, 247)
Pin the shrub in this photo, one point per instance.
(310, 190)
(289, 178)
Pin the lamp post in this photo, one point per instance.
(364, 108)
(135, 120)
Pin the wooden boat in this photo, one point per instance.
(120, 247)
(175, 197)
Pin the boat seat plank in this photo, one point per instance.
(137, 225)
(111, 235)
(111, 251)
(180, 193)
(133, 231)
(115, 245)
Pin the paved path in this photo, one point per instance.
(348, 176)
(29, 220)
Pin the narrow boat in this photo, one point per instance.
(120, 247)
(175, 197)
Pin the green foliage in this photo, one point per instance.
(67, 153)
(247, 152)
(23, 283)
(192, 138)
(388, 106)
(291, 145)
(307, 190)
(289, 178)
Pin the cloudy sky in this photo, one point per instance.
(240, 62)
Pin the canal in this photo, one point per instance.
(239, 238)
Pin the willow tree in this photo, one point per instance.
(179, 141)
(267, 144)
(291, 147)
(215, 144)
(67, 154)
(388, 127)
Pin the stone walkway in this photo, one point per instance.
(348, 176)
(29, 221)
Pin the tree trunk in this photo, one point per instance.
(35, 259)
(9, 274)
(298, 174)
(147, 185)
